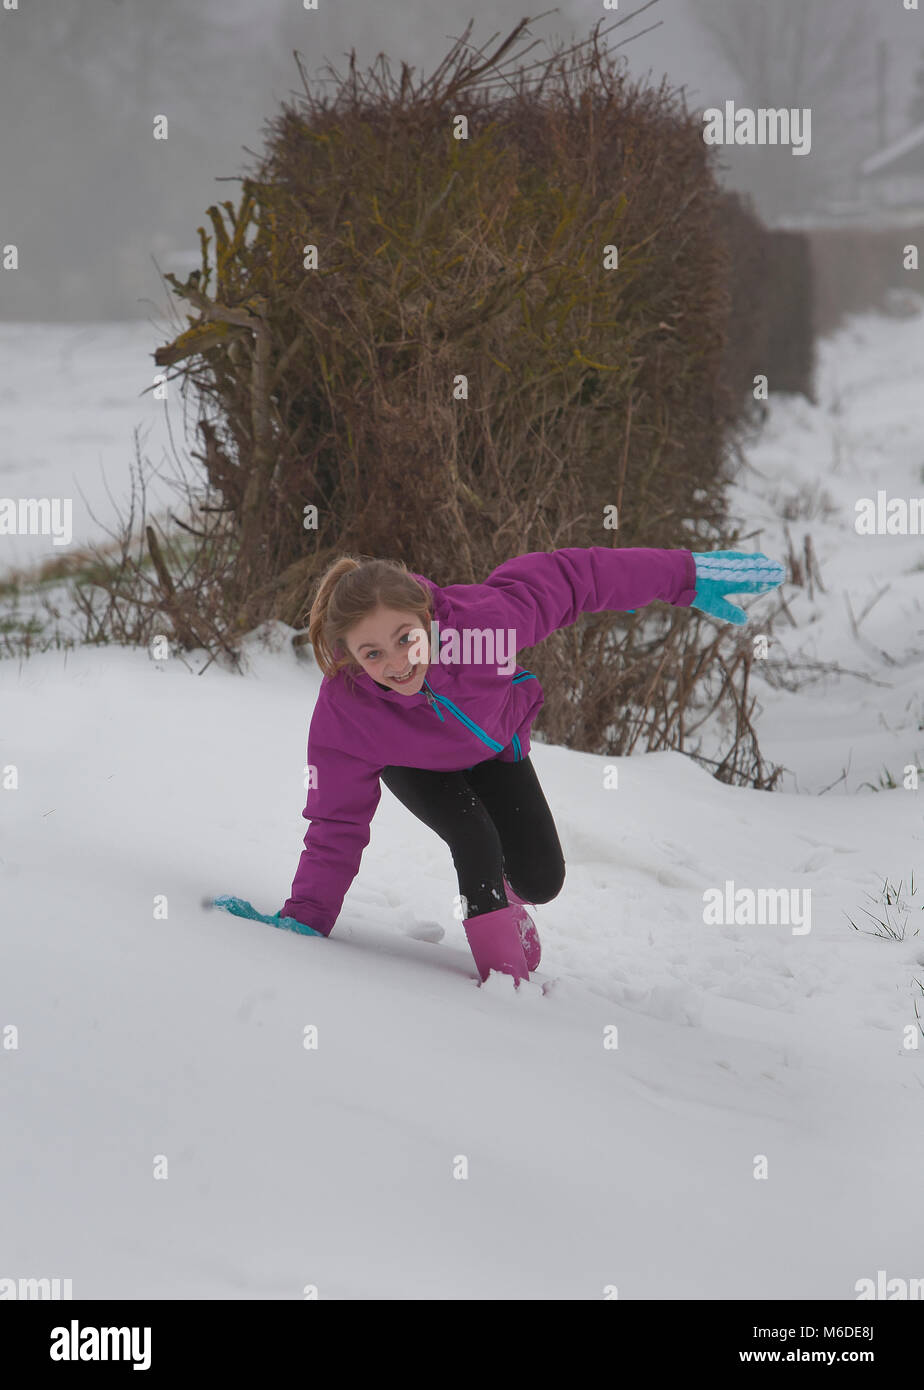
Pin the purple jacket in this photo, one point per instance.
(466, 711)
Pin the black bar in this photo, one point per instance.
(242, 1337)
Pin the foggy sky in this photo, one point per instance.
(89, 197)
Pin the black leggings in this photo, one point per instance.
(496, 822)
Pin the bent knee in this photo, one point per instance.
(544, 884)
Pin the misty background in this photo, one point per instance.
(95, 204)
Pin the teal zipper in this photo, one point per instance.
(437, 700)
(517, 746)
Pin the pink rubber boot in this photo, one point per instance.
(528, 933)
(496, 943)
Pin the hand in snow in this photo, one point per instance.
(240, 907)
(721, 572)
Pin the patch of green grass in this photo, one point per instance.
(886, 781)
(890, 898)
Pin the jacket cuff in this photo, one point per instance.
(688, 593)
(292, 909)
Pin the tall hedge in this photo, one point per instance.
(445, 262)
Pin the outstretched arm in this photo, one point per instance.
(540, 592)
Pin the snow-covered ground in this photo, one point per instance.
(866, 435)
(142, 1038)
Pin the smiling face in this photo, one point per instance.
(381, 644)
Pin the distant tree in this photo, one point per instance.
(817, 54)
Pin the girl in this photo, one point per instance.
(447, 729)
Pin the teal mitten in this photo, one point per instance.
(240, 907)
(721, 572)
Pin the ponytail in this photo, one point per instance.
(349, 590)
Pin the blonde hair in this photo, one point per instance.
(350, 589)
